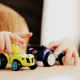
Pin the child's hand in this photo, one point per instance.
(7, 37)
(66, 45)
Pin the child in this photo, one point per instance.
(11, 21)
(12, 29)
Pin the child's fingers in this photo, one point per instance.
(59, 49)
(21, 45)
(16, 43)
(68, 56)
(2, 43)
(7, 43)
(16, 38)
(76, 57)
(53, 44)
(24, 35)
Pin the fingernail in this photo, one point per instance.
(30, 34)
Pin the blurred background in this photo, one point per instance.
(49, 20)
(60, 19)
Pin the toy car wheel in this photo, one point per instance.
(49, 59)
(16, 65)
(3, 61)
(34, 66)
(61, 59)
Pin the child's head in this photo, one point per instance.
(11, 21)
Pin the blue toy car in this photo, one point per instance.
(41, 53)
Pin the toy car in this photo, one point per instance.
(60, 57)
(41, 53)
(17, 58)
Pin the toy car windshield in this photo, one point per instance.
(22, 54)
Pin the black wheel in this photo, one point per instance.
(34, 66)
(61, 58)
(16, 65)
(49, 59)
(3, 61)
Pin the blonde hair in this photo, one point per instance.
(11, 21)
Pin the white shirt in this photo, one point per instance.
(60, 20)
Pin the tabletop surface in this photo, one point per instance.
(57, 72)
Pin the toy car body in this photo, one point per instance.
(17, 58)
(41, 53)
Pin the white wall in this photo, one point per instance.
(60, 20)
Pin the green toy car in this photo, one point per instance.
(17, 58)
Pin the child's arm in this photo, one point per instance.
(7, 37)
(66, 45)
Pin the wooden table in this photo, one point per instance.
(56, 72)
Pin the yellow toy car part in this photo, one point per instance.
(17, 58)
